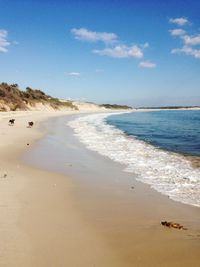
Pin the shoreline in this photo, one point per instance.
(194, 160)
(126, 217)
(53, 216)
(167, 172)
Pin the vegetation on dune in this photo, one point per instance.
(16, 99)
(115, 106)
(12, 98)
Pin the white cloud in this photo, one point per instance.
(116, 48)
(121, 51)
(75, 74)
(177, 32)
(179, 21)
(147, 64)
(84, 34)
(187, 50)
(188, 40)
(3, 41)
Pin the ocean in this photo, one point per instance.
(177, 131)
(152, 145)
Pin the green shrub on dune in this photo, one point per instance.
(15, 99)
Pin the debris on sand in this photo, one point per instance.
(173, 225)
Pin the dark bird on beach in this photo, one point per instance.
(30, 124)
(11, 122)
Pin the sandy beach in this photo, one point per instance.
(63, 205)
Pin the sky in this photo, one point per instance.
(140, 53)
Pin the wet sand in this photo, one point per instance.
(194, 160)
(124, 212)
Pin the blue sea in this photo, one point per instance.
(177, 131)
(151, 145)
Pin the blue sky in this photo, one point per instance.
(133, 52)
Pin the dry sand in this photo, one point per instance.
(39, 225)
(47, 220)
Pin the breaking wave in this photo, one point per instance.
(167, 172)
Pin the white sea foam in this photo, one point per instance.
(167, 172)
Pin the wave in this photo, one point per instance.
(167, 172)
